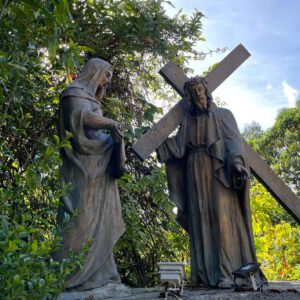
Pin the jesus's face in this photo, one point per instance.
(199, 96)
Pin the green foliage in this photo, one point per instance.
(277, 235)
(252, 132)
(43, 44)
(280, 146)
(152, 234)
(277, 240)
(27, 268)
(27, 235)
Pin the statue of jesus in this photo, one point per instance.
(208, 181)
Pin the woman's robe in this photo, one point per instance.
(93, 202)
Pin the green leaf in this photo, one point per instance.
(34, 247)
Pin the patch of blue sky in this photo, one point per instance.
(270, 29)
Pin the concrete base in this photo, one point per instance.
(277, 290)
(108, 291)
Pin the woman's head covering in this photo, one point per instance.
(89, 77)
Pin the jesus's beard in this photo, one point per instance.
(195, 110)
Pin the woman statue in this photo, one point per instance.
(91, 167)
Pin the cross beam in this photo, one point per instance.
(273, 183)
(161, 130)
(151, 140)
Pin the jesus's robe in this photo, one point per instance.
(199, 161)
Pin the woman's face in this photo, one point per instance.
(104, 81)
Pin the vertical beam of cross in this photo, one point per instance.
(176, 78)
(160, 131)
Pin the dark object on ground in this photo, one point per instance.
(250, 272)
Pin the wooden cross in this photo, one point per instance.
(151, 140)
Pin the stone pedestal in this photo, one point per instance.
(108, 291)
(277, 290)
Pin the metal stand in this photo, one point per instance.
(172, 277)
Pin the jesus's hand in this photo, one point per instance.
(239, 175)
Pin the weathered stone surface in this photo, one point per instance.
(109, 291)
(91, 168)
(277, 290)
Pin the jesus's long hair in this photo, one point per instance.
(194, 111)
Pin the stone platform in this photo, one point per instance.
(277, 290)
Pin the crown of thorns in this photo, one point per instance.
(195, 80)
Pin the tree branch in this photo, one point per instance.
(3, 8)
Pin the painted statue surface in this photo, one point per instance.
(91, 167)
(207, 178)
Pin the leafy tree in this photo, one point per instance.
(252, 132)
(42, 47)
(276, 233)
(277, 240)
(43, 44)
(280, 145)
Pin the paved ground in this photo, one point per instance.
(277, 290)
